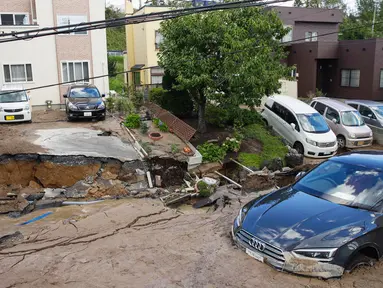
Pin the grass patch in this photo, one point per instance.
(273, 146)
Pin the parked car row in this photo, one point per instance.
(83, 101)
(318, 129)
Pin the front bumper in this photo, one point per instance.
(80, 114)
(356, 143)
(22, 116)
(320, 152)
(292, 264)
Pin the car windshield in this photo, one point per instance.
(84, 92)
(352, 118)
(11, 97)
(313, 123)
(378, 110)
(345, 184)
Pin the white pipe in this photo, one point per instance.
(149, 179)
(243, 166)
(81, 203)
(228, 179)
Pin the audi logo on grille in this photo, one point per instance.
(257, 244)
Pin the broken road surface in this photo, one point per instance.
(140, 243)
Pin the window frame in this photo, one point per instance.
(156, 74)
(289, 35)
(157, 45)
(134, 77)
(367, 108)
(74, 71)
(14, 18)
(10, 73)
(83, 33)
(350, 71)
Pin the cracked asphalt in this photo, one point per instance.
(141, 243)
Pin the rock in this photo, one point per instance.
(34, 185)
(258, 182)
(173, 176)
(286, 169)
(273, 165)
(158, 181)
(293, 159)
(111, 170)
(34, 197)
(243, 174)
(10, 239)
(51, 193)
(107, 175)
(78, 190)
(209, 167)
(18, 204)
(107, 187)
(49, 203)
(138, 185)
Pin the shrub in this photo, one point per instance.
(223, 116)
(232, 144)
(156, 122)
(211, 152)
(156, 95)
(163, 127)
(146, 146)
(203, 189)
(110, 104)
(175, 149)
(137, 99)
(216, 115)
(132, 121)
(144, 128)
(123, 105)
(273, 146)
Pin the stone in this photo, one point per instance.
(157, 181)
(273, 165)
(243, 174)
(34, 185)
(51, 193)
(286, 169)
(104, 187)
(17, 204)
(34, 197)
(49, 203)
(209, 167)
(78, 190)
(109, 175)
(293, 160)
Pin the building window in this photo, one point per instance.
(350, 78)
(311, 36)
(381, 78)
(289, 36)
(18, 73)
(75, 71)
(158, 39)
(63, 20)
(137, 78)
(14, 19)
(157, 74)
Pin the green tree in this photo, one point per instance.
(231, 57)
(116, 39)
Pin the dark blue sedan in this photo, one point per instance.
(327, 222)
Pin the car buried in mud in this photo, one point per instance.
(329, 221)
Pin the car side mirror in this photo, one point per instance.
(335, 121)
(65, 96)
(102, 95)
(293, 125)
(369, 115)
(300, 175)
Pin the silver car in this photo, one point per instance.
(371, 111)
(345, 121)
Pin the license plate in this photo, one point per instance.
(87, 114)
(255, 255)
(9, 117)
(361, 143)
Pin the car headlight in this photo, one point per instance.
(72, 106)
(324, 254)
(370, 133)
(352, 135)
(101, 106)
(241, 215)
(312, 142)
(27, 107)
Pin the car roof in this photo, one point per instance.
(82, 86)
(365, 102)
(335, 104)
(367, 158)
(293, 104)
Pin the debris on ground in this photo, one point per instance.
(293, 158)
(10, 239)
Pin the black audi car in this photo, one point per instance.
(328, 222)
(84, 101)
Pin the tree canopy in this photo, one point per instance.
(115, 36)
(232, 57)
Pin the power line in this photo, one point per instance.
(155, 16)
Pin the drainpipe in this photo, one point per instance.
(373, 19)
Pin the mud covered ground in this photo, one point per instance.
(139, 243)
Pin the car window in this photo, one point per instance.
(332, 114)
(352, 118)
(278, 109)
(320, 108)
(344, 183)
(84, 92)
(366, 112)
(313, 104)
(290, 118)
(353, 105)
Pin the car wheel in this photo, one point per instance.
(69, 119)
(299, 147)
(358, 261)
(341, 141)
(266, 123)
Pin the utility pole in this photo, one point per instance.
(373, 19)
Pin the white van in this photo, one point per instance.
(301, 125)
(15, 105)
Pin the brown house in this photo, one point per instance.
(342, 69)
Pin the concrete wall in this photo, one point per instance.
(39, 52)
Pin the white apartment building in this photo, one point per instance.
(52, 59)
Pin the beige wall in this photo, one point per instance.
(16, 6)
